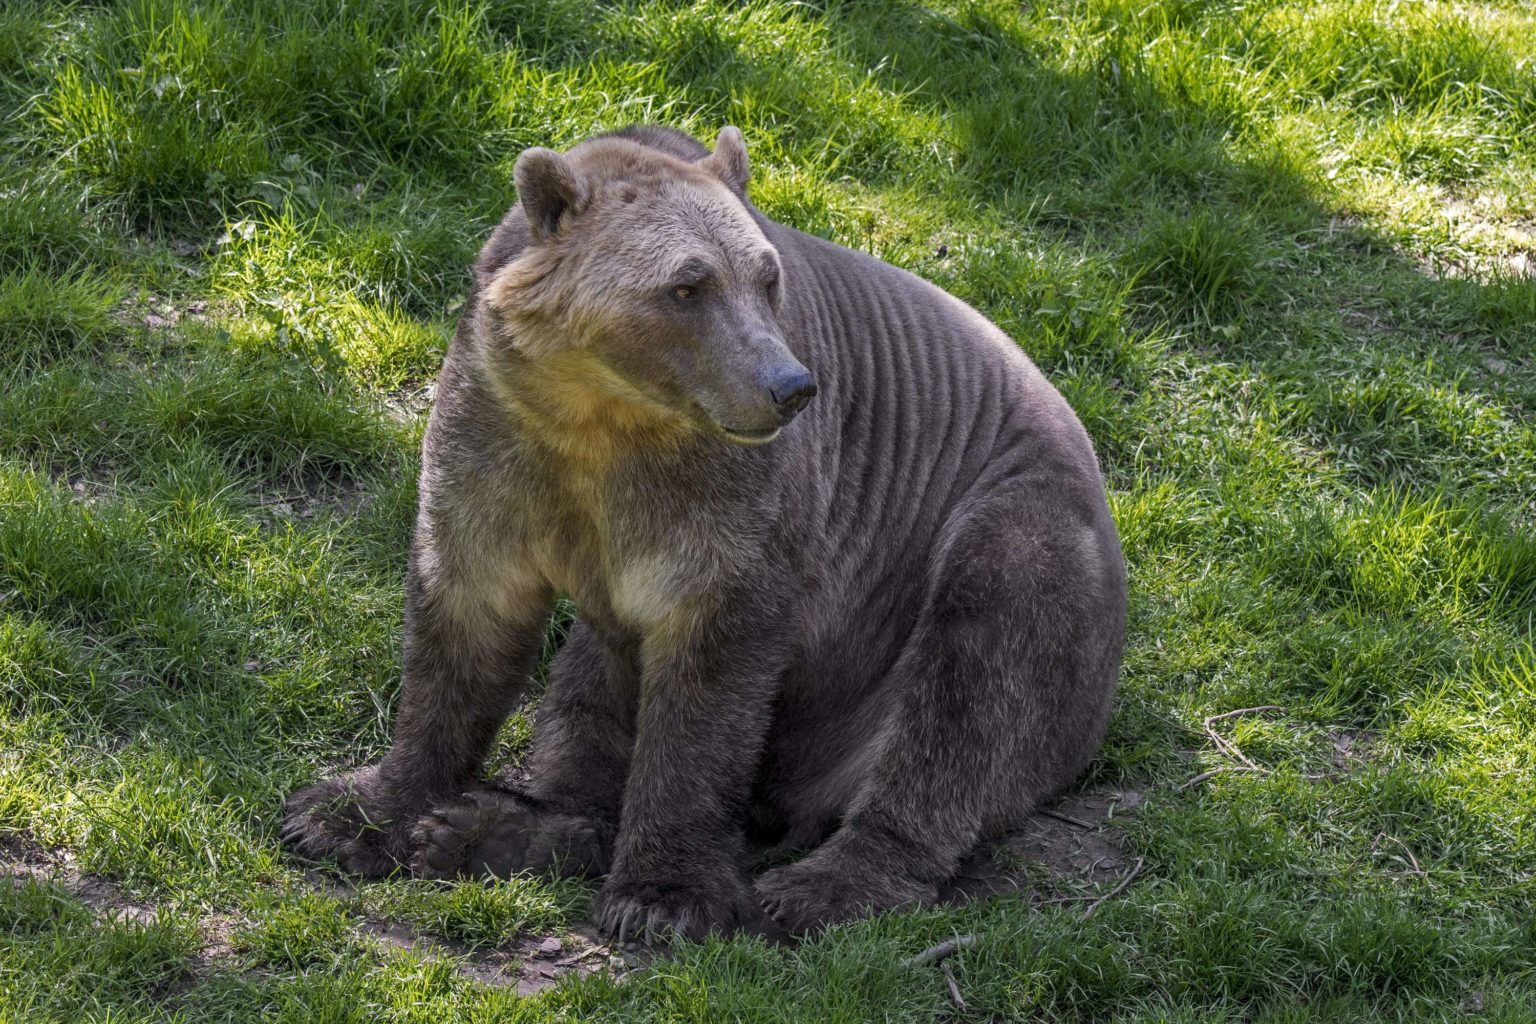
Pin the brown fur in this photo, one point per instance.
(877, 630)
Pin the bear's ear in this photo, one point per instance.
(729, 160)
(549, 188)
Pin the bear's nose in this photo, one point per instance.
(792, 392)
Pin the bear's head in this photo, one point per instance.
(645, 285)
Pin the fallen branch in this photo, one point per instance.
(1117, 890)
(1417, 870)
(1079, 822)
(1243, 711)
(1213, 773)
(954, 986)
(1225, 745)
(938, 953)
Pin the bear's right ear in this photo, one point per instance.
(729, 160)
(548, 187)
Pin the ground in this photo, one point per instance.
(1276, 254)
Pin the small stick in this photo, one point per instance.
(1404, 847)
(1117, 890)
(1213, 773)
(1243, 711)
(1079, 822)
(1232, 750)
(941, 951)
(1225, 745)
(1411, 858)
(954, 986)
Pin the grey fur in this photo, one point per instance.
(880, 638)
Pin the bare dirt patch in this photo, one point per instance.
(155, 311)
(1071, 850)
(90, 485)
(1507, 243)
(22, 859)
(1348, 750)
(340, 496)
(530, 963)
(1063, 848)
(410, 402)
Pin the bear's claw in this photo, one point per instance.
(811, 894)
(649, 913)
(333, 821)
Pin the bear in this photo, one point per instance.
(848, 588)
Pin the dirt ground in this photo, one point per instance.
(1071, 851)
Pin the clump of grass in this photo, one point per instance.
(46, 315)
(1415, 56)
(304, 931)
(1398, 553)
(338, 297)
(47, 227)
(483, 914)
(64, 962)
(1403, 423)
(1503, 305)
(155, 144)
(1206, 264)
(1449, 144)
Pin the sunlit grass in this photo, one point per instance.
(1271, 251)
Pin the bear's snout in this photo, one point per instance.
(791, 387)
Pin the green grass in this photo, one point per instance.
(1269, 251)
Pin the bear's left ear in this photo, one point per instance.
(729, 160)
(549, 188)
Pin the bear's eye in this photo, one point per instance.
(684, 292)
(772, 287)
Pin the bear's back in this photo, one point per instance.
(927, 397)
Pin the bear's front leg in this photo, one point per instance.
(707, 691)
(472, 637)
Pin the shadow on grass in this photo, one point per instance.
(1229, 268)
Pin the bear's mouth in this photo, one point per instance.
(750, 436)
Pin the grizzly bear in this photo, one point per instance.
(846, 577)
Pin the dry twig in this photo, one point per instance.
(1079, 822)
(1117, 890)
(1242, 711)
(953, 985)
(1218, 770)
(1402, 846)
(1225, 745)
(940, 952)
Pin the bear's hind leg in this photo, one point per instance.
(1000, 697)
(564, 816)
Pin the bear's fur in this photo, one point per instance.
(879, 630)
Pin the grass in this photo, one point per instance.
(1271, 250)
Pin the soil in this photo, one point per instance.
(1067, 852)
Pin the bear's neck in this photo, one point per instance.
(576, 406)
